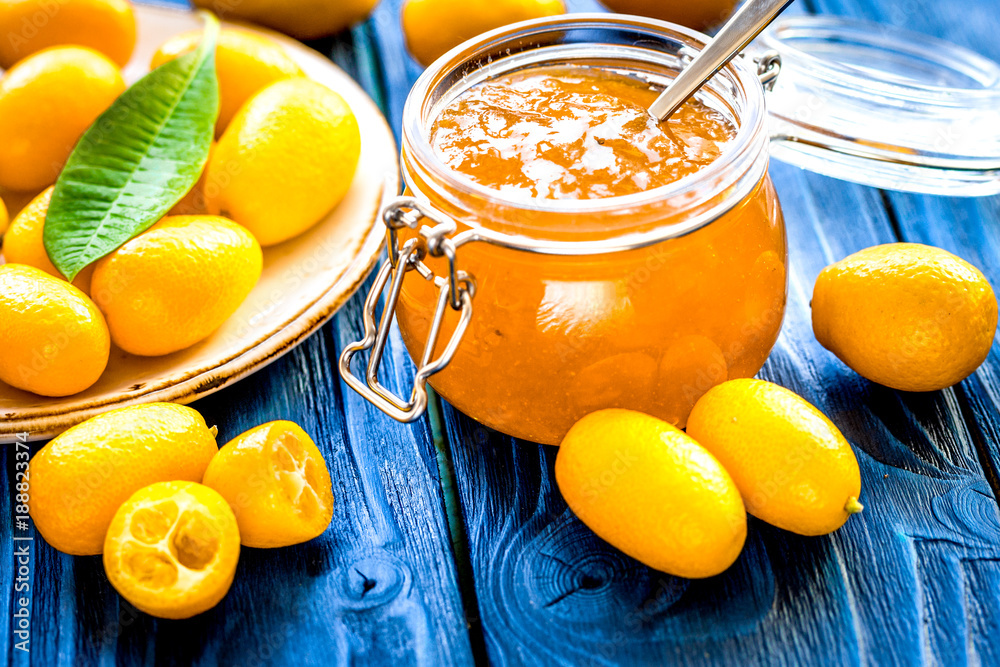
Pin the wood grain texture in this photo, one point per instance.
(969, 228)
(911, 580)
(379, 587)
(915, 578)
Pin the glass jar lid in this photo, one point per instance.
(882, 106)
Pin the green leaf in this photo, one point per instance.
(137, 160)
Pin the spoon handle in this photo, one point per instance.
(740, 30)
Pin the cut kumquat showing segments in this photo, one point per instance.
(276, 482)
(172, 549)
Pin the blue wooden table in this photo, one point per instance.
(451, 544)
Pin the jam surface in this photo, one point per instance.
(574, 133)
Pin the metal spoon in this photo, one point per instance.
(740, 30)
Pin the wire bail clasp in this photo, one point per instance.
(455, 291)
(768, 68)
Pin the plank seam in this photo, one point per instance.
(891, 215)
(457, 531)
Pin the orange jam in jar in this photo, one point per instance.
(617, 261)
(574, 133)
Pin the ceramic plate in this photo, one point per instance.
(305, 280)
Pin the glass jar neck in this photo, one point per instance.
(647, 48)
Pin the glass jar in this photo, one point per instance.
(527, 314)
(642, 301)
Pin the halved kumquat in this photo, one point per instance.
(276, 482)
(172, 549)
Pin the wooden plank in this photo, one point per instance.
(964, 226)
(910, 580)
(378, 587)
(550, 591)
(895, 585)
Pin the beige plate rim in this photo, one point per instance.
(188, 385)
